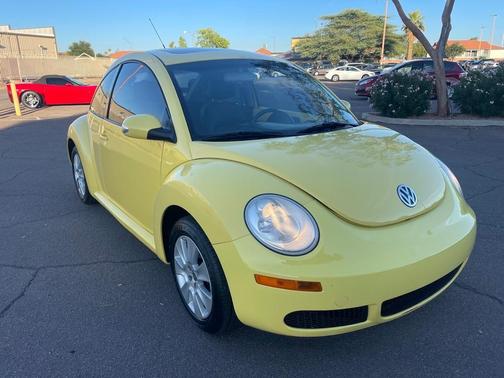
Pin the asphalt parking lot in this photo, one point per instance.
(80, 296)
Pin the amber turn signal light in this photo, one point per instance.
(283, 283)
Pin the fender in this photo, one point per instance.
(78, 133)
(215, 192)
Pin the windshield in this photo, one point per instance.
(254, 99)
(75, 81)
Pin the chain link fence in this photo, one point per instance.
(32, 68)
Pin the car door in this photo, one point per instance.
(353, 73)
(58, 91)
(131, 167)
(98, 112)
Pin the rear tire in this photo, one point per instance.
(335, 78)
(205, 296)
(80, 179)
(31, 100)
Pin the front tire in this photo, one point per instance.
(80, 179)
(199, 277)
(31, 100)
(335, 78)
(364, 76)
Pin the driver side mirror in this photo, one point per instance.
(347, 104)
(138, 126)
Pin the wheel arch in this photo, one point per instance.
(214, 193)
(78, 136)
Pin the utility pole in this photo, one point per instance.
(384, 32)
(479, 46)
(494, 16)
(19, 56)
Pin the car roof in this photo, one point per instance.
(186, 55)
(42, 79)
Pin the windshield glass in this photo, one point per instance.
(254, 99)
(77, 82)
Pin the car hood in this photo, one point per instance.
(354, 172)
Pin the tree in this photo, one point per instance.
(352, 34)
(417, 18)
(436, 52)
(182, 42)
(77, 48)
(419, 51)
(454, 50)
(210, 38)
(171, 45)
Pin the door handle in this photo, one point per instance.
(103, 136)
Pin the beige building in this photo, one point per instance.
(476, 49)
(28, 43)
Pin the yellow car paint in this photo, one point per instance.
(371, 247)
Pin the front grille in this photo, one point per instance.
(405, 301)
(326, 319)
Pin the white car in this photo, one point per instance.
(347, 73)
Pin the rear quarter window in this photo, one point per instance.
(100, 101)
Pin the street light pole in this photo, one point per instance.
(479, 46)
(494, 16)
(384, 32)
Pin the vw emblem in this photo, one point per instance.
(407, 195)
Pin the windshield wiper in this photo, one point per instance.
(323, 127)
(244, 135)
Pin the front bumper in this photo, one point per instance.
(358, 267)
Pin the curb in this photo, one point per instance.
(432, 122)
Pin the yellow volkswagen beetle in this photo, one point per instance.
(272, 202)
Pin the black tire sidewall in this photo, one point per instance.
(333, 78)
(87, 199)
(222, 315)
(26, 94)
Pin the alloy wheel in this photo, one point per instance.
(31, 100)
(193, 278)
(79, 178)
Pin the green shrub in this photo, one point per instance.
(481, 92)
(402, 95)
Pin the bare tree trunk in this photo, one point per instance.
(437, 53)
(410, 38)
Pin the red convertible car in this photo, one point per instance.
(53, 90)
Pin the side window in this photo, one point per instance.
(416, 66)
(137, 91)
(428, 66)
(405, 69)
(100, 100)
(56, 81)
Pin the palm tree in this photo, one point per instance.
(417, 19)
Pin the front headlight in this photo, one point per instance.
(281, 224)
(451, 176)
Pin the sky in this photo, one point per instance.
(248, 24)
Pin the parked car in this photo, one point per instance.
(365, 67)
(53, 90)
(321, 69)
(347, 73)
(453, 73)
(386, 67)
(271, 201)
